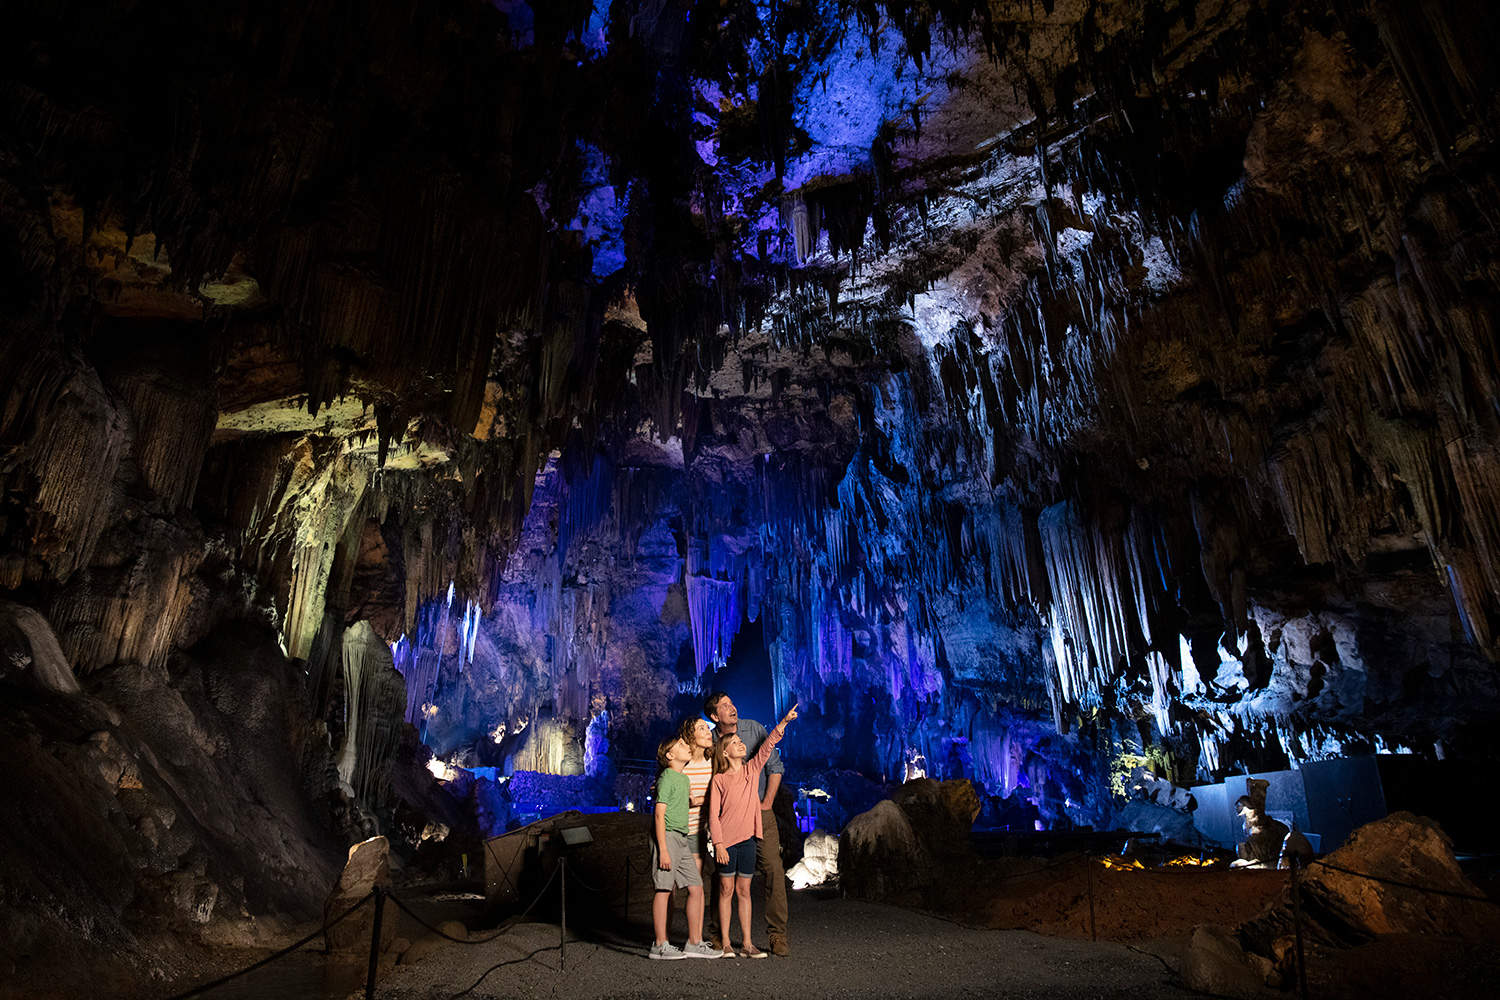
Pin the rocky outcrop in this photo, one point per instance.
(880, 857)
(30, 654)
(1216, 963)
(1395, 876)
(1264, 836)
(942, 813)
(899, 850)
(159, 809)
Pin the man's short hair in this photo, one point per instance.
(665, 748)
(711, 703)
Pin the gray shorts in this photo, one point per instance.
(684, 871)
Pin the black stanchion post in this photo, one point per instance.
(375, 944)
(1297, 929)
(1093, 928)
(562, 880)
(627, 890)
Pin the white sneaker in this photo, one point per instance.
(666, 950)
(701, 950)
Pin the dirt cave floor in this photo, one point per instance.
(1011, 928)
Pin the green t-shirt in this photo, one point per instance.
(673, 791)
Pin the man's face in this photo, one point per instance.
(726, 716)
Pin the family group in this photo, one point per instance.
(714, 797)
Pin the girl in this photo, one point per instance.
(734, 825)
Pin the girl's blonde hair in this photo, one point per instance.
(719, 752)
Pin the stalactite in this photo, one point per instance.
(1093, 607)
(69, 437)
(801, 216)
(714, 609)
(329, 505)
(174, 420)
(588, 489)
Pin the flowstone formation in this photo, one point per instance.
(1036, 391)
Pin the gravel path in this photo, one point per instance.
(840, 949)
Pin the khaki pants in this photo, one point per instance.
(768, 866)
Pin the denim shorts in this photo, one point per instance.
(741, 860)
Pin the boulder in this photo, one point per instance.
(1216, 964)
(941, 813)
(880, 856)
(367, 867)
(1341, 910)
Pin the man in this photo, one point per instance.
(721, 712)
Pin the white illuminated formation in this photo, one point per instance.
(442, 770)
(468, 633)
(820, 861)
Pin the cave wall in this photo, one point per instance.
(1055, 386)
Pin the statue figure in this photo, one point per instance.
(1264, 835)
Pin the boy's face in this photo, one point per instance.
(679, 754)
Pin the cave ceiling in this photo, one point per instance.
(1049, 358)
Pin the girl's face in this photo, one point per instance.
(703, 735)
(735, 749)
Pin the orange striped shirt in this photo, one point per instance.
(698, 775)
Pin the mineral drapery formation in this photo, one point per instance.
(1042, 387)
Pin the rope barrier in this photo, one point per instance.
(573, 874)
(468, 940)
(278, 955)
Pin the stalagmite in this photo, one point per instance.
(374, 704)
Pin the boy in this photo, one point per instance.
(672, 863)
